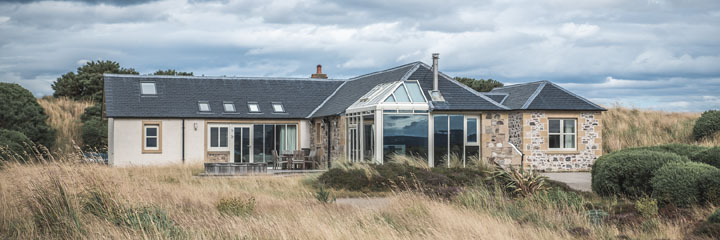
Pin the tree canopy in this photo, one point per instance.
(87, 83)
(21, 112)
(94, 129)
(480, 85)
(172, 72)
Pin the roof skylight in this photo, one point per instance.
(278, 107)
(253, 107)
(229, 107)
(204, 106)
(147, 88)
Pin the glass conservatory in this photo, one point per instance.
(394, 118)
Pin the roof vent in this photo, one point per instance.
(435, 94)
(319, 73)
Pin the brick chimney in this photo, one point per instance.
(319, 73)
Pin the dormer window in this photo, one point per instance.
(147, 88)
(229, 107)
(204, 106)
(278, 107)
(253, 107)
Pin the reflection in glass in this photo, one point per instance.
(269, 142)
(441, 140)
(554, 141)
(401, 95)
(569, 126)
(471, 130)
(214, 137)
(415, 91)
(405, 134)
(258, 145)
(368, 137)
(456, 140)
(554, 126)
(223, 137)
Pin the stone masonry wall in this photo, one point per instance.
(535, 139)
(515, 125)
(218, 156)
(337, 133)
(495, 147)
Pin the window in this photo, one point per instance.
(561, 133)
(204, 106)
(471, 130)
(151, 137)
(147, 88)
(218, 138)
(408, 91)
(278, 107)
(253, 107)
(229, 107)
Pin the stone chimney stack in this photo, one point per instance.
(319, 73)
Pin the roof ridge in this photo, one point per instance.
(224, 77)
(383, 71)
(575, 95)
(533, 96)
(467, 88)
(326, 99)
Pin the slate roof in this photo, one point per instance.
(178, 96)
(543, 95)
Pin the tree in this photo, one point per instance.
(480, 85)
(21, 112)
(87, 83)
(94, 130)
(172, 72)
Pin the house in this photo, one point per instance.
(411, 109)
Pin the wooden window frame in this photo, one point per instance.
(209, 146)
(145, 124)
(562, 134)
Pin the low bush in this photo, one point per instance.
(685, 150)
(236, 206)
(710, 188)
(350, 179)
(628, 173)
(714, 217)
(711, 227)
(323, 196)
(709, 156)
(13, 145)
(680, 183)
(647, 207)
(707, 125)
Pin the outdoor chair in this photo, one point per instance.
(312, 160)
(277, 160)
(298, 158)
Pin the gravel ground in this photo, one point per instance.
(576, 180)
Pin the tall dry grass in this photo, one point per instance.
(65, 200)
(626, 127)
(64, 116)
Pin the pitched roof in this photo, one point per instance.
(178, 96)
(543, 95)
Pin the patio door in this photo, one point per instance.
(242, 144)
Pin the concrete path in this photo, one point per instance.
(576, 180)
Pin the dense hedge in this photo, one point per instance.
(14, 144)
(628, 173)
(707, 125)
(709, 156)
(685, 150)
(402, 176)
(681, 183)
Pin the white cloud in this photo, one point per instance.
(573, 30)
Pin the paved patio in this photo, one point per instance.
(576, 180)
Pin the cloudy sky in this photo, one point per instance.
(657, 54)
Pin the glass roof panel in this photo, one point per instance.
(390, 99)
(401, 95)
(415, 91)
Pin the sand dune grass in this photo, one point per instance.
(285, 208)
(626, 127)
(64, 116)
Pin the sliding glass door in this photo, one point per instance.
(242, 144)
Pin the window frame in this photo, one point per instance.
(477, 130)
(200, 108)
(256, 105)
(562, 134)
(210, 148)
(142, 93)
(282, 106)
(145, 126)
(225, 106)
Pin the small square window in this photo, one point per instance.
(148, 88)
(278, 107)
(204, 106)
(229, 107)
(253, 107)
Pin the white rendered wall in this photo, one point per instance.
(304, 134)
(125, 145)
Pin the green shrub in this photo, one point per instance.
(714, 217)
(323, 196)
(710, 187)
(21, 112)
(13, 145)
(647, 207)
(709, 156)
(685, 150)
(351, 179)
(680, 183)
(236, 206)
(629, 172)
(707, 125)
